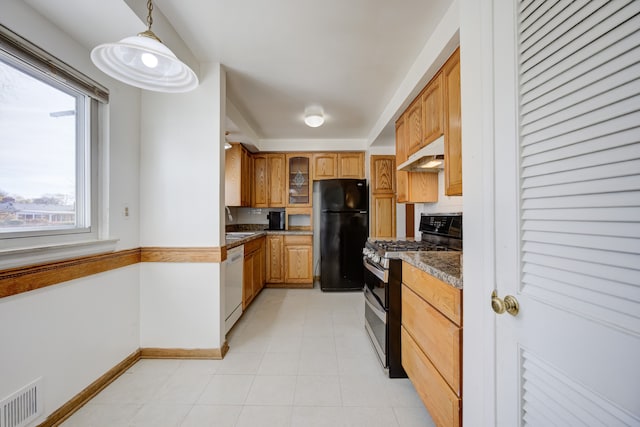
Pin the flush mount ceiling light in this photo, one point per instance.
(143, 61)
(314, 116)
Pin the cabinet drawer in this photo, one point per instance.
(253, 245)
(298, 240)
(442, 403)
(444, 297)
(437, 336)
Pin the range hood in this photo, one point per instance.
(427, 159)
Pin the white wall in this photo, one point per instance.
(182, 203)
(73, 332)
(180, 305)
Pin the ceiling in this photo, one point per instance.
(282, 55)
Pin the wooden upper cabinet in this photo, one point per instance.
(237, 176)
(338, 165)
(351, 165)
(452, 126)
(414, 126)
(383, 216)
(383, 174)
(325, 166)
(269, 183)
(277, 180)
(402, 149)
(402, 183)
(412, 187)
(383, 200)
(299, 190)
(432, 110)
(247, 180)
(260, 181)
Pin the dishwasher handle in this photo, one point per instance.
(235, 254)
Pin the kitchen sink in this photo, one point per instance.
(238, 235)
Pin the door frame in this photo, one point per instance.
(479, 263)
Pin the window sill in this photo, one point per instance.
(19, 257)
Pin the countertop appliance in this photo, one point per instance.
(233, 286)
(344, 226)
(276, 220)
(383, 282)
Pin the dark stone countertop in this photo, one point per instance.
(446, 266)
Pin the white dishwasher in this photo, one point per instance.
(233, 286)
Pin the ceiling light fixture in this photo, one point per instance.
(314, 116)
(227, 145)
(143, 61)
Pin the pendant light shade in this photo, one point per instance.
(143, 61)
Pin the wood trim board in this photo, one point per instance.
(18, 280)
(24, 279)
(172, 254)
(184, 353)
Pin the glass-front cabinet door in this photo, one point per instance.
(299, 180)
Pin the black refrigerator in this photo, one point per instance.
(344, 227)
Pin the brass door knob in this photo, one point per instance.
(509, 304)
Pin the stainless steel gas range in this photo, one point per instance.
(383, 282)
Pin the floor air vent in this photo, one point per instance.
(23, 406)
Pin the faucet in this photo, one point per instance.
(229, 213)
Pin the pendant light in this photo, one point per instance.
(143, 61)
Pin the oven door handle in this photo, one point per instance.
(377, 310)
(382, 275)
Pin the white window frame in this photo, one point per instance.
(89, 235)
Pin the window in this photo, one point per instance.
(44, 172)
(48, 146)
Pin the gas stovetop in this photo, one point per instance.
(407, 245)
(439, 232)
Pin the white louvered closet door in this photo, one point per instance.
(567, 210)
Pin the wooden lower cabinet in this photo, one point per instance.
(440, 341)
(442, 403)
(298, 260)
(275, 266)
(432, 355)
(289, 261)
(253, 277)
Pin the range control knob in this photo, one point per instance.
(376, 258)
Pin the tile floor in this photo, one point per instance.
(297, 358)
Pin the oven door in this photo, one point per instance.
(376, 279)
(375, 322)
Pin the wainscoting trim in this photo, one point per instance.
(24, 279)
(172, 254)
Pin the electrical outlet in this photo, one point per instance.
(125, 211)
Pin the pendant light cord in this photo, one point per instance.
(149, 17)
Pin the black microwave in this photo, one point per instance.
(276, 220)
